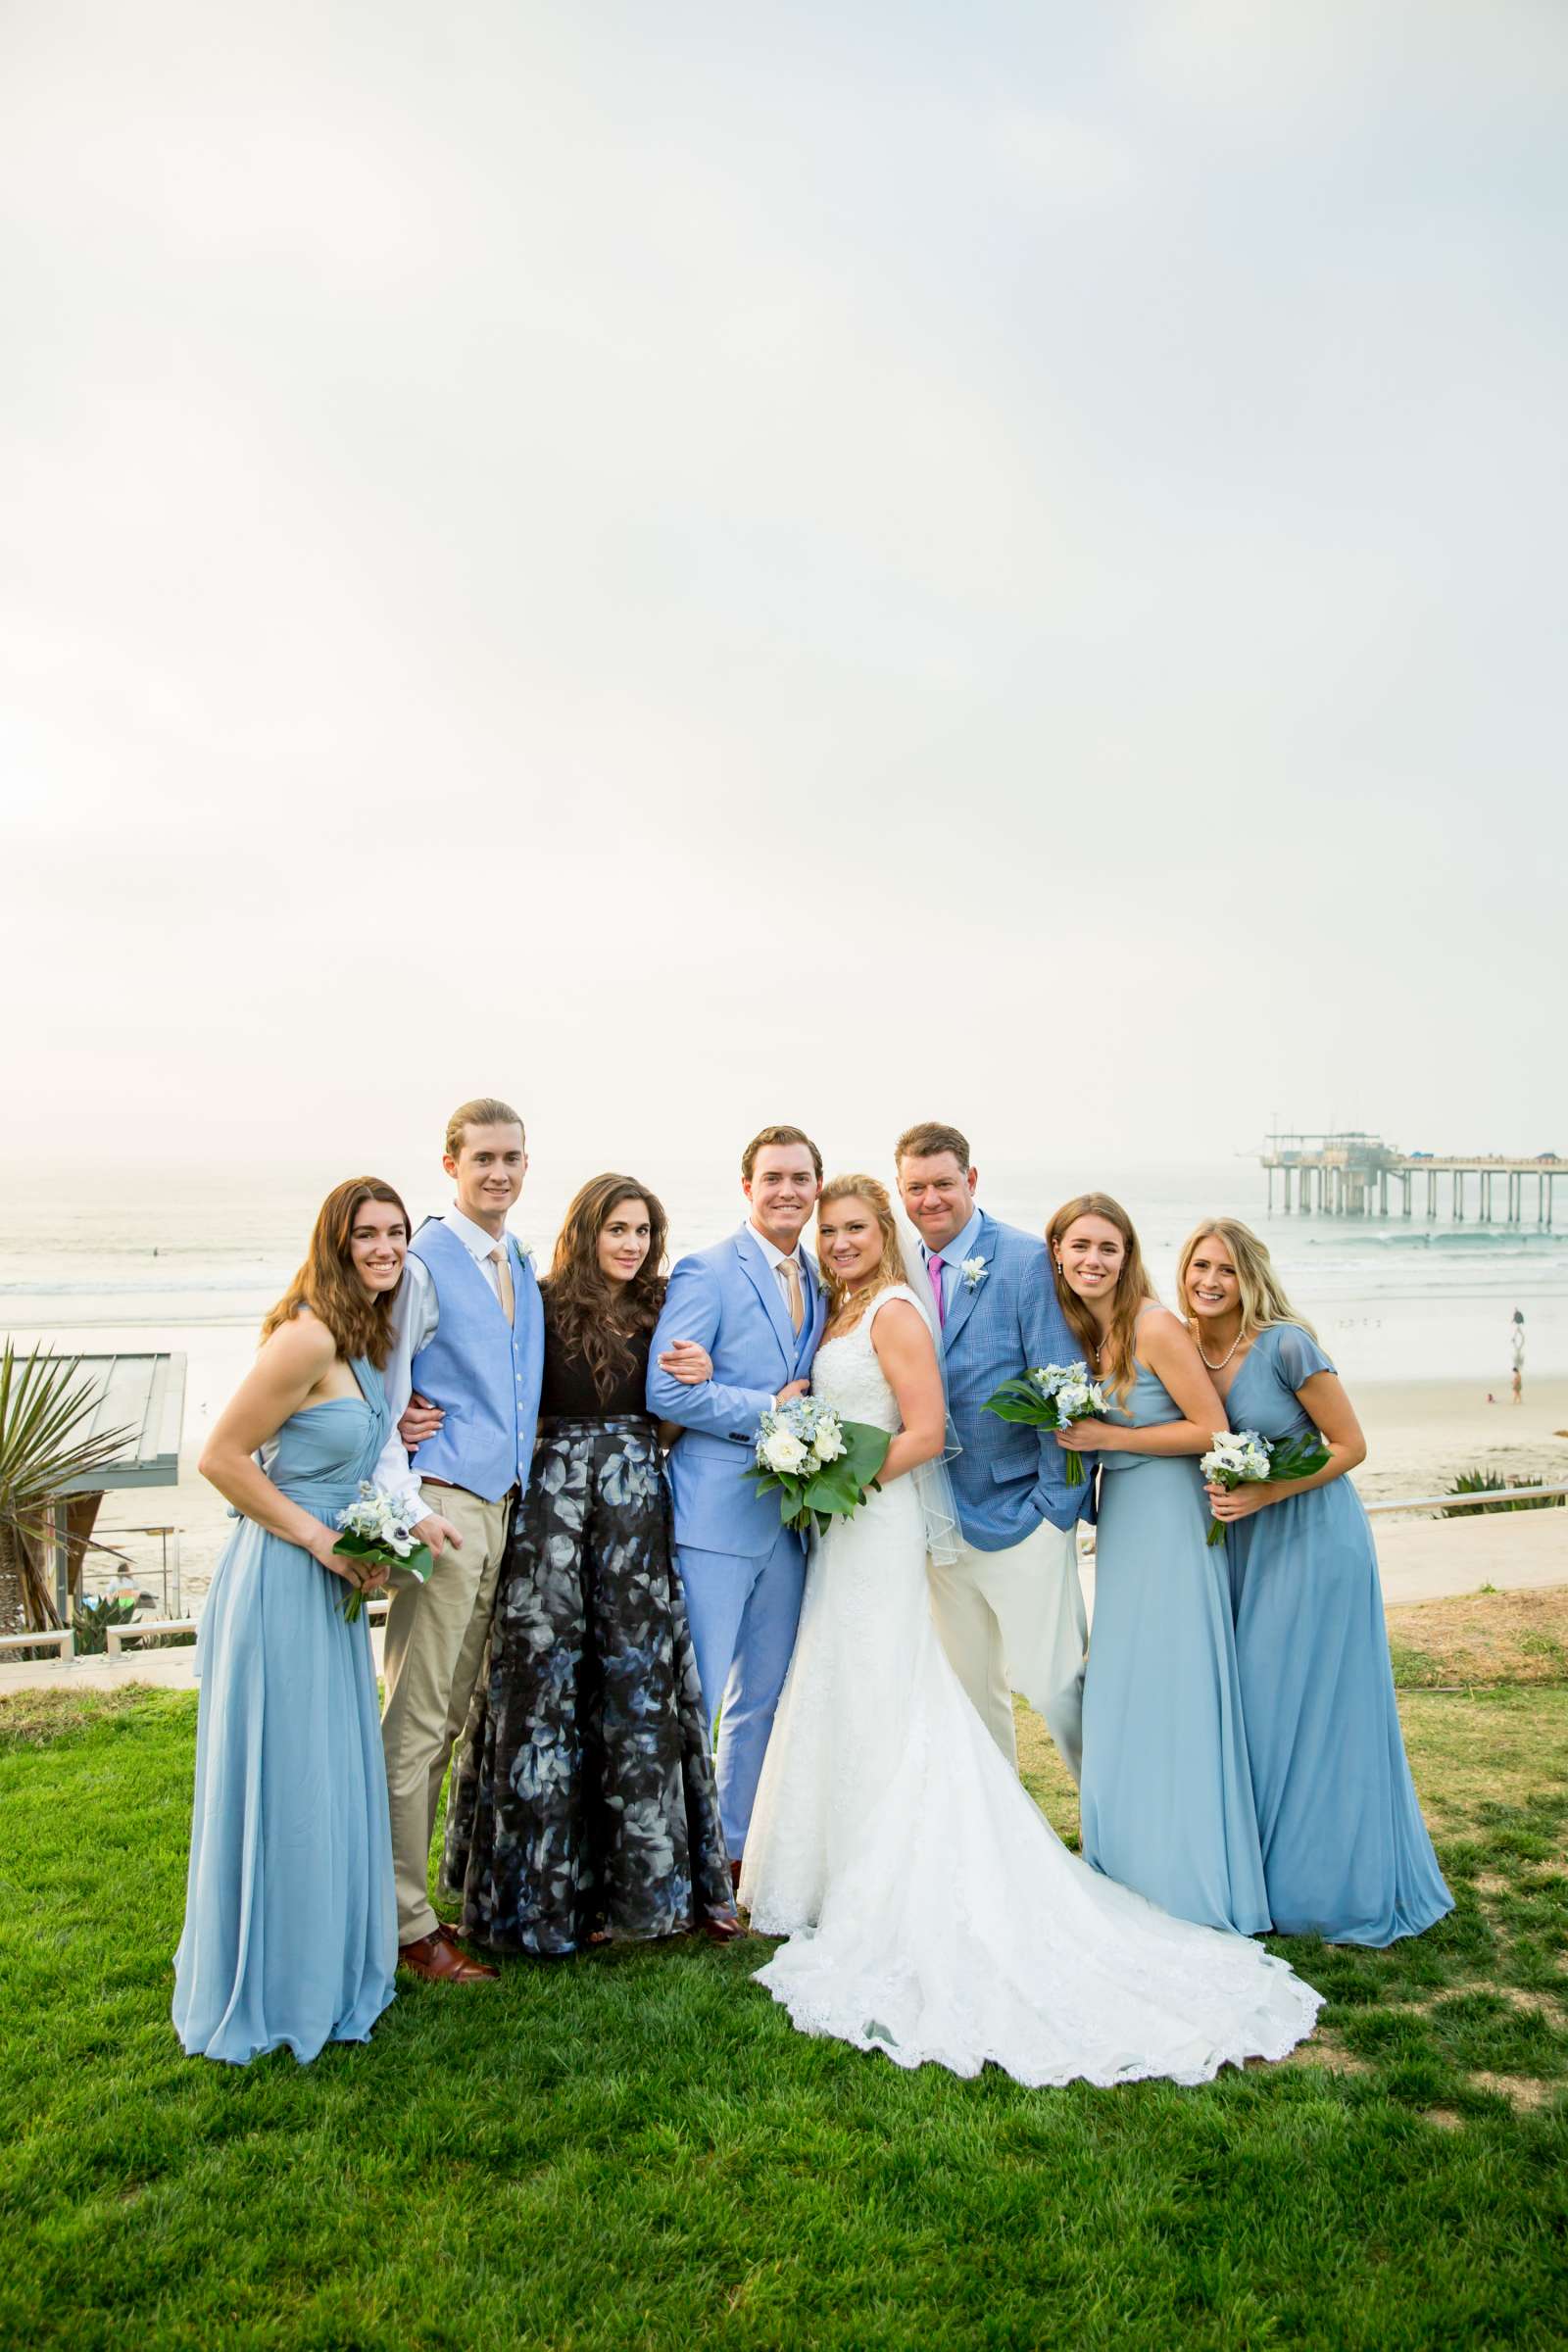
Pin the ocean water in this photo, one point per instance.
(190, 1257)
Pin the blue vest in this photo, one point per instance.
(484, 1376)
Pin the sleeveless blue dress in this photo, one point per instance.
(1167, 1803)
(1345, 1851)
(290, 1917)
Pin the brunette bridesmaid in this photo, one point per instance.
(1345, 1851)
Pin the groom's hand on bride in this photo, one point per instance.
(438, 1533)
(421, 1420)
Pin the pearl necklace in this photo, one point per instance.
(1224, 1359)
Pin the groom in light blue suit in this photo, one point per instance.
(754, 1304)
(1010, 1608)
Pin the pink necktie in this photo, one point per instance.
(933, 1266)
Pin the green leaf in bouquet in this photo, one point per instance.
(1300, 1456)
(1022, 1401)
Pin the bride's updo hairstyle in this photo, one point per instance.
(1263, 1300)
(1132, 1295)
(890, 1266)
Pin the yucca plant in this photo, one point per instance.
(1491, 1482)
(43, 1405)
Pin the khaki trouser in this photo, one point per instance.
(1018, 1613)
(436, 1637)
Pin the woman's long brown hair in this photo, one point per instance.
(592, 1318)
(327, 1284)
(1132, 1293)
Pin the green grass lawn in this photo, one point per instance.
(638, 2150)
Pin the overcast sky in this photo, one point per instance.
(696, 564)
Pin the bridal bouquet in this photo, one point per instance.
(380, 1528)
(821, 1467)
(1242, 1458)
(1050, 1396)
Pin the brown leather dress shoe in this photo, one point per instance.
(722, 1926)
(439, 1960)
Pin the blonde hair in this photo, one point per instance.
(1263, 1300)
(1133, 1293)
(485, 1110)
(890, 1266)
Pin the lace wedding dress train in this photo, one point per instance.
(932, 1913)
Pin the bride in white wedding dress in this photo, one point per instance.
(931, 1912)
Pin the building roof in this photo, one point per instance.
(145, 1395)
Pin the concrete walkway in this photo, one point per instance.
(1421, 1559)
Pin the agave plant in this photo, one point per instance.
(42, 1410)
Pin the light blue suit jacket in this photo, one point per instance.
(729, 1300)
(1007, 1476)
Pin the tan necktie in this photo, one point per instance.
(509, 1305)
(792, 1283)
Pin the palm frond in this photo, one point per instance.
(43, 1403)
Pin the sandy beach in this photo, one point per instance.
(1421, 1434)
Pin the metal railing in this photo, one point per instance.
(1494, 1497)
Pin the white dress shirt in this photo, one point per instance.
(778, 1259)
(414, 1318)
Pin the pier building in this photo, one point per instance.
(1350, 1175)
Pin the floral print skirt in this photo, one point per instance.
(583, 1802)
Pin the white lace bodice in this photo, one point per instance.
(847, 1375)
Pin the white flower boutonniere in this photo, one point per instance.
(974, 1271)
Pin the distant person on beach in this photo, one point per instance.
(290, 1928)
(1167, 1803)
(1518, 1384)
(583, 1806)
(469, 1340)
(1345, 1851)
(1009, 1608)
(754, 1305)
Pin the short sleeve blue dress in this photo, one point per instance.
(1166, 1798)
(1345, 1851)
(290, 1929)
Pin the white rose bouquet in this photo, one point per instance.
(820, 1467)
(1245, 1458)
(1050, 1396)
(378, 1529)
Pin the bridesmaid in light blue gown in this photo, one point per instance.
(290, 1918)
(1166, 1801)
(1345, 1851)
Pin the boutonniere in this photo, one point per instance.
(974, 1271)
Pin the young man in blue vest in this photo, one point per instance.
(470, 1338)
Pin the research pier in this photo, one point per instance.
(1349, 1176)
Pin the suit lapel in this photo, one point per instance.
(814, 1307)
(765, 1283)
(964, 1294)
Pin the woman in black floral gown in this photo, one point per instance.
(583, 1807)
